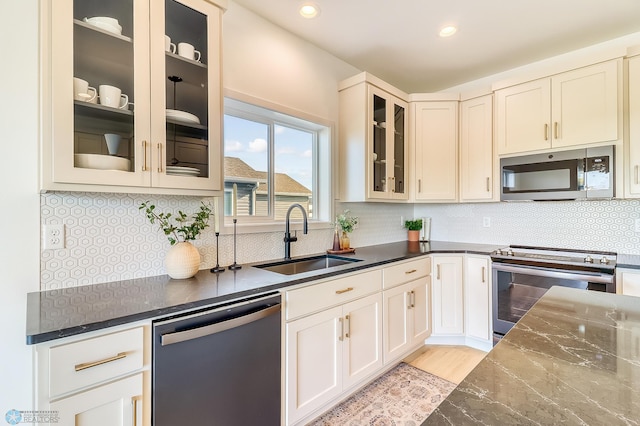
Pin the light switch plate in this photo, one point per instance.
(486, 222)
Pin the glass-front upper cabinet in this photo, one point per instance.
(388, 149)
(134, 94)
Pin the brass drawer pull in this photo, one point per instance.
(411, 271)
(80, 367)
(344, 291)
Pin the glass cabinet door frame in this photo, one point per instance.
(58, 171)
(390, 160)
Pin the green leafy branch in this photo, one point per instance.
(177, 228)
(346, 222)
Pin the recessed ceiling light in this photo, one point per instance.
(448, 31)
(309, 10)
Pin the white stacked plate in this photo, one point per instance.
(183, 171)
(182, 116)
(105, 23)
(102, 162)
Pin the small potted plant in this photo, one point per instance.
(183, 259)
(347, 223)
(413, 228)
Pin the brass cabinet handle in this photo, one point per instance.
(546, 131)
(484, 271)
(555, 130)
(80, 367)
(341, 334)
(410, 272)
(438, 271)
(419, 185)
(347, 327)
(344, 291)
(159, 158)
(635, 173)
(412, 298)
(144, 156)
(488, 184)
(135, 400)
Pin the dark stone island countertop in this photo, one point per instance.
(573, 359)
(69, 311)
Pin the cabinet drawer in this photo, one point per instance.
(330, 293)
(84, 363)
(407, 271)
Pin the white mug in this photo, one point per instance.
(187, 50)
(112, 96)
(168, 46)
(81, 90)
(113, 142)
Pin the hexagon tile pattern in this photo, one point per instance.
(109, 239)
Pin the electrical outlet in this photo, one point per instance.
(402, 221)
(486, 222)
(53, 237)
(637, 225)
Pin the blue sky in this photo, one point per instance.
(247, 140)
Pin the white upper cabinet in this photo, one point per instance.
(632, 168)
(372, 140)
(434, 142)
(476, 149)
(150, 119)
(574, 108)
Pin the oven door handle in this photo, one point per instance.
(553, 273)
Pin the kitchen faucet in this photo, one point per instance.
(288, 239)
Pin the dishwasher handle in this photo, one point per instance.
(182, 336)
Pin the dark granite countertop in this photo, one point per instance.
(573, 359)
(69, 311)
(629, 261)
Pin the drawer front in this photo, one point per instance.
(310, 299)
(79, 364)
(406, 271)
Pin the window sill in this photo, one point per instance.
(258, 228)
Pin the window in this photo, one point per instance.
(273, 160)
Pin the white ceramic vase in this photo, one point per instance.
(182, 261)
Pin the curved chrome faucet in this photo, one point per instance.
(288, 239)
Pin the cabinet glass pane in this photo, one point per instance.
(186, 91)
(398, 148)
(379, 143)
(103, 70)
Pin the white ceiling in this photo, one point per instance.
(397, 40)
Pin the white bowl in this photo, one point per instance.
(102, 162)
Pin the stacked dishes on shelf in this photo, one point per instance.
(183, 171)
(105, 23)
(182, 116)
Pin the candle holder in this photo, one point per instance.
(235, 265)
(217, 268)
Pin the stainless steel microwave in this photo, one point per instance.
(564, 175)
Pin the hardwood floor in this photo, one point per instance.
(452, 363)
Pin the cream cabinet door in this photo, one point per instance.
(628, 282)
(477, 298)
(522, 117)
(420, 306)
(447, 295)
(435, 143)
(633, 161)
(314, 362)
(395, 329)
(115, 404)
(585, 105)
(476, 149)
(362, 338)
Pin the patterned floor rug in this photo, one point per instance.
(404, 396)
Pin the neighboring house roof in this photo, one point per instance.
(236, 170)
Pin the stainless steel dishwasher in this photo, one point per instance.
(220, 366)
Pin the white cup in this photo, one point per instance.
(112, 96)
(113, 142)
(81, 90)
(168, 46)
(187, 50)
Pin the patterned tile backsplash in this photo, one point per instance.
(107, 238)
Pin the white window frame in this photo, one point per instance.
(250, 108)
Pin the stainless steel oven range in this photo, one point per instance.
(522, 274)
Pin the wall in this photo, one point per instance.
(20, 249)
(590, 225)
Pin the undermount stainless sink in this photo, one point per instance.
(306, 264)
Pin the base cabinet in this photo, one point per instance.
(477, 298)
(628, 282)
(447, 295)
(330, 351)
(116, 404)
(406, 322)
